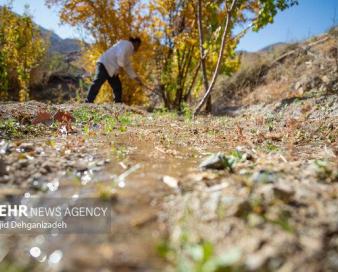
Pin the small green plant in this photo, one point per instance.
(109, 124)
(187, 112)
(283, 221)
(325, 171)
(270, 123)
(106, 191)
(188, 256)
(237, 155)
(84, 115)
(164, 112)
(86, 129)
(89, 117)
(125, 119)
(271, 147)
(10, 128)
(120, 152)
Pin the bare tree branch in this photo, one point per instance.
(202, 52)
(220, 56)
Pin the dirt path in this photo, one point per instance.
(274, 206)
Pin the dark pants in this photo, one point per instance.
(101, 75)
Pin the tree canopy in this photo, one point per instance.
(186, 44)
(21, 49)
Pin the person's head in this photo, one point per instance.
(136, 43)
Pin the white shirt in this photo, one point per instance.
(118, 56)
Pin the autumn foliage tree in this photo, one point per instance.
(21, 49)
(187, 43)
(105, 22)
(177, 23)
(254, 13)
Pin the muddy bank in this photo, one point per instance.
(273, 206)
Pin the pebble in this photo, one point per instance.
(216, 161)
(26, 147)
(264, 176)
(23, 163)
(81, 166)
(283, 192)
(170, 181)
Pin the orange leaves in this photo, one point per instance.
(42, 117)
(64, 119)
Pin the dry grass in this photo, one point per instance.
(262, 80)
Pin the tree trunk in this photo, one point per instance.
(202, 52)
(220, 56)
(192, 84)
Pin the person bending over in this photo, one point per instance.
(109, 65)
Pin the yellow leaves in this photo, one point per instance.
(170, 50)
(81, 9)
(22, 46)
(158, 34)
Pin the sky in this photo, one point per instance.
(310, 17)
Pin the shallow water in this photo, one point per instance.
(137, 222)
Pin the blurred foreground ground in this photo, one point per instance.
(273, 208)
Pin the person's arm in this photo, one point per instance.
(123, 61)
(131, 73)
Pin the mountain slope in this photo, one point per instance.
(309, 68)
(59, 45)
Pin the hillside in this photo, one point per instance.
(59, 45)
(282, 71)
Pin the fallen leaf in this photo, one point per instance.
(42, 117)
(63, 117)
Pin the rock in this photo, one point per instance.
(298, 85)
(243, 209)
(37, 175)
(315, 82)
(47, 167)
(255, 220)
(9, 191)
(100, 163)
(4, 147)
(257, 260)
(39, 150)
(326, 79)
(264, 176)
(22, 163)
(283, 192)
(216, 161)
(246, 154)
(81, 166)
(26, 147)
(170, 181)
(3, 170)
(39, 185)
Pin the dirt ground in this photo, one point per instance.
(273, 205)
